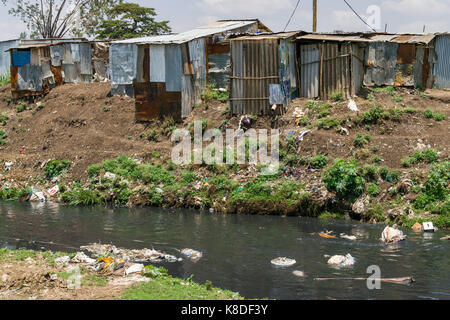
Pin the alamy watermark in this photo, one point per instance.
(374, 17)
(252, 147)
(374, 281)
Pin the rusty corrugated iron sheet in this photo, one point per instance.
(441, 70)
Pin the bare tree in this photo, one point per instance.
(56, 18)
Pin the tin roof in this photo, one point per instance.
(371, 37)
(332, 37)
(200, 32)
(264, 36)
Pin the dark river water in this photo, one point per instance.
(238, 249)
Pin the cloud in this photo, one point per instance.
(417, 27)
(243, 8)
(347, 21)
(418, 7)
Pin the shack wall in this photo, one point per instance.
(5, 57)
(441, 69)
(123, 67)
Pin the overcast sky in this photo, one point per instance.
(406, 16)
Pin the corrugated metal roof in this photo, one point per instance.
(200, 32)
(415, 38)
(264, 36)
(332, 37)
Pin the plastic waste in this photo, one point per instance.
(428, 227)
(37, 196)
(192, 254)
(345, 236)
(352, 106)
(62, 260)
(283, 262)
(327, 235)
(343, 261)
(7, 166)
(80, 257)
(53, 190)
(390, 234)
(135, 268)
(417, 227)
(110, 176)
(298, 273)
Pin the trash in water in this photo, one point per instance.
(417, 227)
(428, 227)
(283, 262)
(327, 235)
(445, 238)
(345, 236)
(135, 268)
(403, 280)
(37, 196)
(390, 234)
(192, 254)
(298, 273)
(343, 261)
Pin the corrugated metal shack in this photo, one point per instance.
(264, 73)
(100, 60)
(400, 60)
(167, 73)
(36, 68)
(330, 63)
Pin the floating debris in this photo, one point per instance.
(403, 280)
(327, 235)
(193, 255)
(298, 273)
(343, 261)
(345, 236)
(390, 235)
(445, 238)
(283, 262)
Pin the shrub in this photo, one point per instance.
(360, 140)
(3, 137)
(79, 196)
(94, 170)
(318, 162)
(428, 113)
(343, 178)
(337, 96)
(438, 116)
(371, 116)
(55, 168)
(373, 190)
(328, 123)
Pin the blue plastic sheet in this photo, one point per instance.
(21, 58)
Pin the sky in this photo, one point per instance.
(401, 16)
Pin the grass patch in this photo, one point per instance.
(343, 177)
(55, 168)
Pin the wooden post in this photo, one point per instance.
(314, 15)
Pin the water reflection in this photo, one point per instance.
(238, 249)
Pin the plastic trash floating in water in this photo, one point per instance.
(192, 254)
(283, 262)
(343, 261)
(326, 236)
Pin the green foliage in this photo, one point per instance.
(5, 79)
(3, 137)
(337, 96)
(94, 170)
(21, 107)
(212, 93)
(318, 162)
(329, 123)
(428, 113)
(370, 97)
(371, 116)
(130, 20)
(438, 116)
(369, 171)
(373, 189)
(398, 99)
(428, 155)
(321, 111)
(79, 196)
(436, 189)
(360, 140)
(55, 168)
(343, 177)
(388, 89)
(15, 194)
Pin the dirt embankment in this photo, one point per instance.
(83, 124)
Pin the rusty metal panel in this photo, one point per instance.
(57, 74)
(441, 70)
(380, 61)
(187, 94)
(406, 53)
(336, 76)
(29, 78)
(309, 65)
(198, 60)
(153, 101)
(256, 66)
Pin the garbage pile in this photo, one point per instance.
(342, 261)
(283, 262)
(143, 255)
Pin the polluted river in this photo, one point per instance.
(238, 249)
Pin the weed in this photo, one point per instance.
(343, 178)
(318, 162)
(337, 96)
(55, 168)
